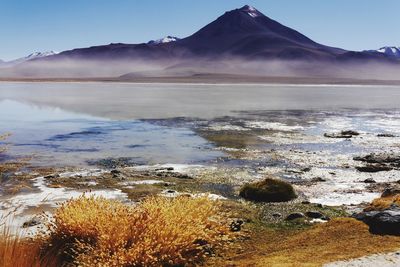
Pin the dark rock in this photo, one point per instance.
(31, 222)
(276, 215)
(386, 222)
(115, 171)
(318, 179)
(342, 134)
(386, 135)
(306, 202)
(307, 169)
(384, 158)
(373, 168)
(236, 225)
(51, 176)
(350, 132)
(390, 191)
(369, 181)
(294, 216)
(314, 214)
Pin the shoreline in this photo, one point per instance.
(216, 80)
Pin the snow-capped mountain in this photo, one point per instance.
(391, 51)
(32, 56)
(167, 39)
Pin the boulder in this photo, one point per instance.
(385, 222)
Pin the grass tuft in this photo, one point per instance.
(383, 203)
(268, 190)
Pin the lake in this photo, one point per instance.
(74, 124)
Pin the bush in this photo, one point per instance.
(383, 203)
(156, 232)
(268, 190)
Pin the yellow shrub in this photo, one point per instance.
(383, 202)
(158, 231)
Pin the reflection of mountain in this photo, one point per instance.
(155, 101)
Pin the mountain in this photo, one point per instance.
(243, 35)
(249, 33)
(390, 51)
(164, 40)
(35, 55)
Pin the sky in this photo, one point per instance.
(27, 26)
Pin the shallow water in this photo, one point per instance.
(73, 123)
(258, 129)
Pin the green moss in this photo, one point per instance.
(268, 190)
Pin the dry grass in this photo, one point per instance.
(384, 202)
(16, 251)
(338, 239)
(157, 232)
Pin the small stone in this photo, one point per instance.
(369, 181)
(318, 179)
(386, 135)
(115, 171)
(294, 216)
(31, 222)
(236, 225)
(276, 215)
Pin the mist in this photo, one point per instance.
(195, 67)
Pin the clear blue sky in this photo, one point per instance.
(40, 25)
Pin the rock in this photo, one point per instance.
(294, 216)
(342, 134)
(318, 179)
(276, 215)
(32, 222)
(306, 202)
(51, 176)
(236, 225)
(373, 168)
(314, 214)
(369, 181)
(390, 191)
(268, 190)
(307, 169)
(384, 158)
(386, 222)
(386, 135)
(115, 171)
